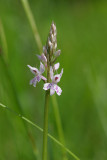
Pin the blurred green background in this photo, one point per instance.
(82, 38)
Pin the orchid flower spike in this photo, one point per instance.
(47, 62)
(55, 79)
(37, 73)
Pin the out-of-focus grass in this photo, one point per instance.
(82, 37)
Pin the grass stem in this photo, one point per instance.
(32, 23)
(4, 59)
(40, 129)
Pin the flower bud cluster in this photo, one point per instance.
(52, 41)
(47, 60)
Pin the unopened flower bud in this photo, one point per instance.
(57, 53)
(53, 38)
(44, 50)
(55, 46)
(50, 44)
(53, 27)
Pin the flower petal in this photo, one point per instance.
(52, 91)
(39, 56)
(56, 66)
(56, 78)
(57, 53)
(33, 81)
(38, 78)
(42, 58)
(43, 78)
(46, 86)
(44, 50)
(33, 70)
(61, 72)
(51, 72)
(58, 90)
(42, 67)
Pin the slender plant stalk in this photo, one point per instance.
(46, 108)
(40, 129)
(9, 76)
(32, 23)
(39, 43)
(45, 131)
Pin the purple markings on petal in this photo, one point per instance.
(33, 81)
(38, 78)
(56, 78)
(50, 85)
(58, 90)
(53, 87)
(56, 87)
(46, 86)
(33, 70)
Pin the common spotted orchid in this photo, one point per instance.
(37, 73)
(55, 79)
(47, 62)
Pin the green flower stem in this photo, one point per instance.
(40, 129)
(45, 131)
(32, 23)
(45, 128)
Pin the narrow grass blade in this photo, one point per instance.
(32, 23)
(40, 129)
(4, 59)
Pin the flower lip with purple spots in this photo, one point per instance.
(56, 78)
